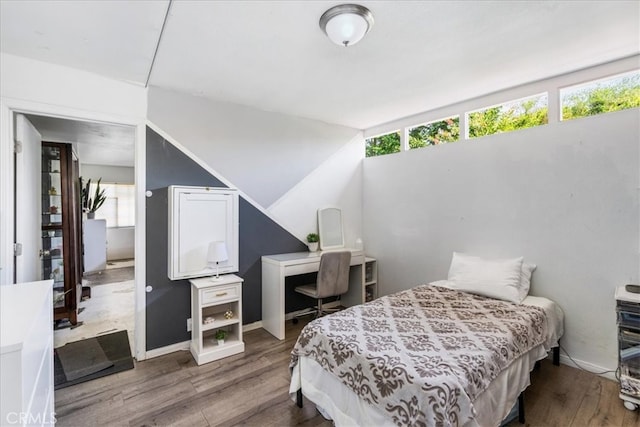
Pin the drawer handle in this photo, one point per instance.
(221, 294)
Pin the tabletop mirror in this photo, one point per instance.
(330, 228)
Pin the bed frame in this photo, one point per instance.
(555, 354)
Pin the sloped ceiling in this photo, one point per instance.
(272, 55)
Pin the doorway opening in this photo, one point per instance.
(104, 292)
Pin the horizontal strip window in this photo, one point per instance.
(383, 144)
(597, 96)
(435, 133)
(514, 115)
(616, 93)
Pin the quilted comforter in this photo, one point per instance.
(421, 356)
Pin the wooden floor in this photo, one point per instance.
(252, 389)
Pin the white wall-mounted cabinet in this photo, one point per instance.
(197, 217)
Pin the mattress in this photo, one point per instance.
(555, 315)
(490, 407)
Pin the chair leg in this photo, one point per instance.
(304, 313)
(319, 314)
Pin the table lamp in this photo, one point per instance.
(216, 254)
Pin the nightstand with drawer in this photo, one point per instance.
(216, 305)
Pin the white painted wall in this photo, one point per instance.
(120, 243)
(286, 165)
(42, 82)
(111, 174)
(47, 89)
(336, 182)
(564, 196)
(264, 154)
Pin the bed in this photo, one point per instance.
(430, 355)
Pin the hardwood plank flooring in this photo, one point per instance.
(251, 389)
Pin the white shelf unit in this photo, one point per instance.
(370, 279)
(628, 316)
(211, 299)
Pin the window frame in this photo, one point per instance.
(585, 84)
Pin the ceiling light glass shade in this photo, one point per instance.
(346, 24)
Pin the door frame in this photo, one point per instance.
(8, 108)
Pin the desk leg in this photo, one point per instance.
(273, 300)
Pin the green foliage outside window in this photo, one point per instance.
(435, 133)
(383, 144)
(612, 95)
(508, 117)
(615, 94)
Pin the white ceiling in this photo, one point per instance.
(272, 55)
(95, 143)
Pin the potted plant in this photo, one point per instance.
(221, 334)
(91, 204)
(312, 241)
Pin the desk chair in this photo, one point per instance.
(333, 280)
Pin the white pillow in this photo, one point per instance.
(495, 278)
(525, 279)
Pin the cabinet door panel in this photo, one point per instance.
(197, 217)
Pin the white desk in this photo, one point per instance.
(275, 268)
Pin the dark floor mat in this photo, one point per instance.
(117, 350)
(82, 358)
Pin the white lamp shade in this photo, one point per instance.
(347, 29)
(217, 252)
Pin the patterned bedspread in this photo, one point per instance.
(422, 355)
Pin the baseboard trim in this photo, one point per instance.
(251, 326)
(589, 367)
(156, 352)
(184, 345)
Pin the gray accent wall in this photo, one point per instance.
(169, 303)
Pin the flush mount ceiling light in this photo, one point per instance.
(346, 24)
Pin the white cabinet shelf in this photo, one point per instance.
(370, 279)
(210, 300)
(219, 323)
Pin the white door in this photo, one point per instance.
(28, 217)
